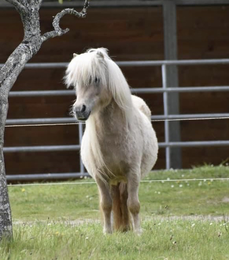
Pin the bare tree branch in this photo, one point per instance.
(58, 31)
(32, 41)
(23, 2)
(40, 1)
(17, 4)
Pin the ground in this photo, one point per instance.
(185, 215)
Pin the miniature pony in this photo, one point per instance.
(119, 145)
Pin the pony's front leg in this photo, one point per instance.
(133, 201)
(105, 205)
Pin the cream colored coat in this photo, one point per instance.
(119, 143)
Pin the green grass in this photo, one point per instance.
(167, 239)
(79, 201)
(54, 202)
(61, 221)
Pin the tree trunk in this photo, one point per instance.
(29, 12)
(9, 73)
(5, 211)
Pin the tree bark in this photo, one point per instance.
(32, 41)
(5, 211)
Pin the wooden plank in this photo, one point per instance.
(36, 136)
(27, 163)
(202, 32)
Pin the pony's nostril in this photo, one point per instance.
(83, 108)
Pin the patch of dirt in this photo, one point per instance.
(225, 200)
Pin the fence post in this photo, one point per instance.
(166, 123)
(171, 75)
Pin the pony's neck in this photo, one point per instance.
(112, 119)
(106, 128)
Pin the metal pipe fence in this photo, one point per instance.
(133, 90)
(70, 120)
(166, 117)
(124, 3)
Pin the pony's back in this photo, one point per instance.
(141, 105)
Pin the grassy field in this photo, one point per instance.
(185, 215)
(177, 193)
(166, 239)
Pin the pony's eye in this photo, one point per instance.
(97, 80)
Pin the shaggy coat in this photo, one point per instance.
(119, 145)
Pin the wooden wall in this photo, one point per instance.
(202, 34)
(129, 34)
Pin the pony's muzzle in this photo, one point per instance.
(81, 112)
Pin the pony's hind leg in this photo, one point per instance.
(119, 207)
(105, 205)
(133, 202)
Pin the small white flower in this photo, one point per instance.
(172, 186)
(180, 185)
(193, 224)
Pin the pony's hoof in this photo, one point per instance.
(107, 232)
(138, 232)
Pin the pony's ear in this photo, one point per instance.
(100, 54)
(74, 55)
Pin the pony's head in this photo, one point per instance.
(97, 80)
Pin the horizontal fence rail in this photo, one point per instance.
(194, 144)
(61, 65)
(45, 93)
(46, 176)
(133, 90)
(44, 121)
(70, 120)
(60, 148)
(165, 117)
(42, 148)
(123, 3)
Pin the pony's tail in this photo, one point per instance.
(121, 216)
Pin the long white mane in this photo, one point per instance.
(119, 145)
(87, 66)
(97, 63)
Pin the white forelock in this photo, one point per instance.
(97, 63)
